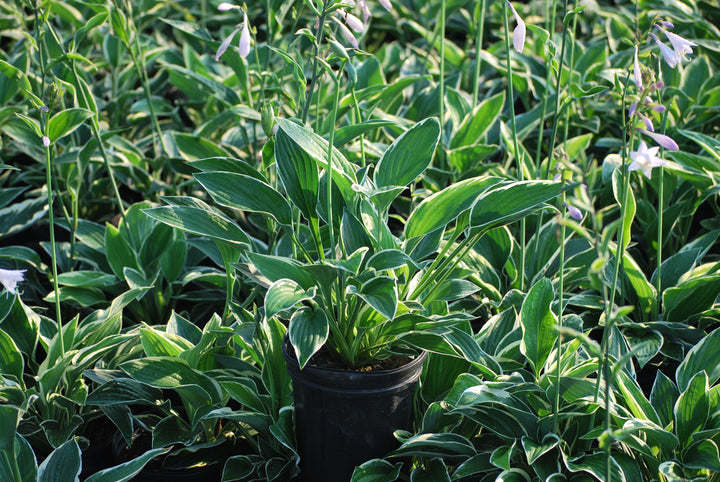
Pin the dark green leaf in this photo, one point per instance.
(308, 332)
(409, 155)
(538, 324)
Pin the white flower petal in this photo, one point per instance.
(386, 4)
(224, 7)
(244, 47)
(224, 46)
(10, 278)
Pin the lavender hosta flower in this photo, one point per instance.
(224, 46)
(644, 159)
(666, 24)
(671, 57)
(10, 278)
(386, 4)
(520, 30)
(637, 73)
(663, 140)
(347, 34)
(244, 47)
(365, 10)
(648, 123)
(574, 212)
(46, 141)
(681, 45)
(353, 22)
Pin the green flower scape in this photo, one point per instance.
(526, 191)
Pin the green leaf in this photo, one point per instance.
(448, 445)
(690, 298)
(705, 357)
(298, 173)
(409, 155)
(595, 465)
(126, 471)
(381, 293)
(247, 193)
(702, 454)
(172, 373)
(451, 290)
(346, 134)
(62, 465)
(512, 201)
(156, 343)
(476, 124)
(275, 268)
(533, 451)
(433, 471)
(692, 408)
(123, 391)
(284, 294)
(376, 470)
(538, 324)
(11, 360)
(9, 419)
(317, 148)
(443, 207)
(65, 122)
(201, 222)
(192, 147)
(308, 331)
(663, 396)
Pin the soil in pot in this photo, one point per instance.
(344, 417)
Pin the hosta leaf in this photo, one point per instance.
(201, 222)
(702, 455)
(448, 445)
(443, 207)
(65, 122)
(512, 201)
(380, 293)
(409, 155)
(376, 470)
(126, 471)
(172, 373)
(62, 465)
(595, 465)
(123, 391)
(477, 123)
(284, 294)
(538, 324)
(534, 451)
(705, 356)
(275, 268)
(308, 331)
(692, 408)
(11, 360)
(690, 298)
(433, 471)
(663, 396)
(244, 192)
(298, 173)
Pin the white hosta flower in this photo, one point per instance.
(520, 30)
(681, 45)
(637, 73)
(644, 159)
(671, 57)
(224, 7)
(245, 37)
(10, 278)
(45, 141)
(386, 4)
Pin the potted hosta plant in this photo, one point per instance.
(364, 292)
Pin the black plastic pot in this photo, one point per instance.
(343, 418)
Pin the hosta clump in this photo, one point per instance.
(332, 264)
